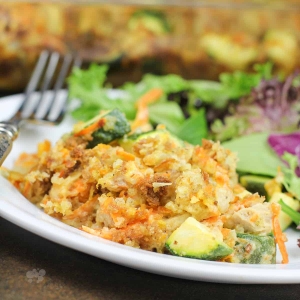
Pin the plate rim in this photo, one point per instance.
(161, 264)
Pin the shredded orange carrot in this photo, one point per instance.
(142, 115)
(164, 164)
(249, 199)
(212, 220)
(122, 193)
(280, 238)
(254, 218)
(125, 155)
(26, 160)
(83, 210)
(45, 146)
(80, 185)
(26, 189)
(89, 129)
(225, 232)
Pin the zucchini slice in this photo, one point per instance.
(254, 249)
(104, 128)
(127, 142)
(152, 20)
(195, 240)
(284, 219)
(255, 184)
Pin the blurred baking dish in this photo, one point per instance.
(199, 39)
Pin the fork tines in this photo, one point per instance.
(50, 72)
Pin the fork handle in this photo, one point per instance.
(6, 142)
(7, 135)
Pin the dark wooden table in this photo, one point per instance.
(74, 275)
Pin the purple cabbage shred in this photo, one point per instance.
(290, 143)
(272, 106)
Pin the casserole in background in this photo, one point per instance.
(197, 41)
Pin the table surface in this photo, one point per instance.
(75, 275)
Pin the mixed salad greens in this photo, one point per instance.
(254, 114)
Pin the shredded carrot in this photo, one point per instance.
(254, 218)
(142, 115)
(83, 210)
(165, 164)
(62, 173)
(212, 220)
(125, 155)
(223, 218)
(89, 129)
(26, 160)
(26, 189)
(80, 185)
(45, 146)
(225, 232)
(122, 193)
(279, 236)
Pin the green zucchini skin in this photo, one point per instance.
(254, 249)
(153, 20)
(194, 240)
(284, 220)
(128, 142)
(105, 135)
(214, 254)
(255, 184)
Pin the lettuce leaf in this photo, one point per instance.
(255, 155)
(91, 89)
(88, 87)
(238, 84)
(194, 129)
(167, 113)
(290, 179)
(211, 92)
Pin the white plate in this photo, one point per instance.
(15, 208)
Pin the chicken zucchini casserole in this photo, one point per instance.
(196, 42)
(152, 191)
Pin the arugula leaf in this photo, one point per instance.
(290, 179)
(194, 129)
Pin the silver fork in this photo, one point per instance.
(44, 110)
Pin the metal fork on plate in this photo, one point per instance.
(49, 107)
